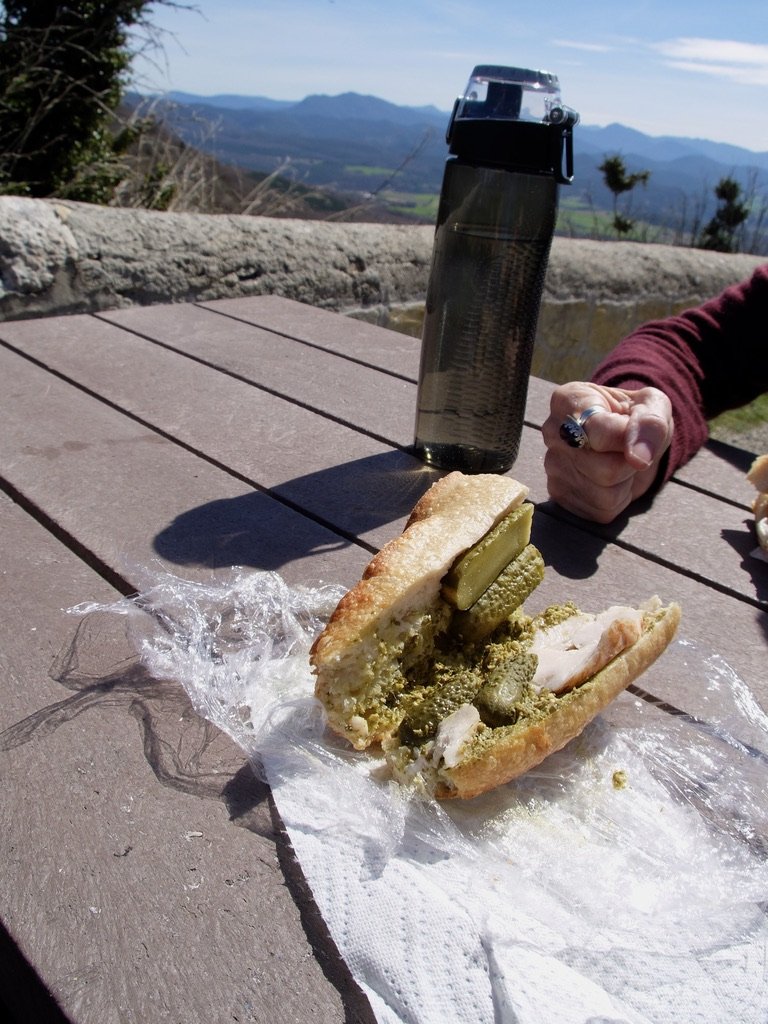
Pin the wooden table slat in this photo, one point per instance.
(263, 434)
(203, 520)
(126, 886)
(719, 470)
(259, 435)
(353, 339)
(137, 500)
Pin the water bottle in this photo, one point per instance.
(511, 145)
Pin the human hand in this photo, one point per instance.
(627, 438)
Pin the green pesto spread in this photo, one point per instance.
(494, 675)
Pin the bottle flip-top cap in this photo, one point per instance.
(509, 94)
(514, 117)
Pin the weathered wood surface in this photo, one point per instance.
(214, 408)
(144, 876)
(263, 434)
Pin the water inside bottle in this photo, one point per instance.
(477, 346)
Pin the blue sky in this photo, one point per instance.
(664, 67)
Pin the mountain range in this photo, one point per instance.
(353, 143)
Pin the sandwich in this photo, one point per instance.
(432, 658)
(758, 477)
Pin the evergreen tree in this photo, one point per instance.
(616, 179)
(62, 72)
(720, 233)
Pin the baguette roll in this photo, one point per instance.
(758, 477)
(459, 713)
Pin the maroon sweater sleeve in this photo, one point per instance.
(707, 359)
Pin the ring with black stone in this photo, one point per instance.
(572, 428)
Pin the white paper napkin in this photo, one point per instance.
(574, 894)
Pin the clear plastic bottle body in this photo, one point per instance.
(491, 248)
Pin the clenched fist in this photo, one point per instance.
(626, 438)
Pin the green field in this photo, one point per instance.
(369, 172)
(422, 205)
(749, 420)
(576, 219)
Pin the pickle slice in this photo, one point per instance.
(505, 594)
(451, 688)
(472, 574)
(498, 697)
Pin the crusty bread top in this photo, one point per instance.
(758, 473)
(394, 614)
(405, 575)
(758, 477)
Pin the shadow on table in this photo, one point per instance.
(573, 545)
(187, 753)
(361, 499)
(744, 542)
(336, 505)
(739, 458)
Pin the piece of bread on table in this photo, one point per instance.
(758, 477)
(464, 699)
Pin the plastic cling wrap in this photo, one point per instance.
(623, 880)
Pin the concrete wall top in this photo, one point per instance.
(58, 257)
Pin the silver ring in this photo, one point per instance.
(572, 428)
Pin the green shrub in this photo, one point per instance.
(62, 73)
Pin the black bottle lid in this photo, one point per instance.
(514, 118)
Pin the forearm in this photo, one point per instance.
(706, 359)
(635, 364)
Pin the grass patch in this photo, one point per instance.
(368, 172)
(729, 425)
(577, 219)
(414, 204)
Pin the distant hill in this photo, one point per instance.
(665, 148)
(230, 102)
(348, 143)
(359, 144)
(159, 171)
(683, 175)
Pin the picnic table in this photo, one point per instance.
(146, 875)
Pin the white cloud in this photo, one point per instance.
(740, 75)
(588, 47)
(743, 63)
(718, 50)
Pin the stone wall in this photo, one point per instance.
(596, 292)
(63, 257)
